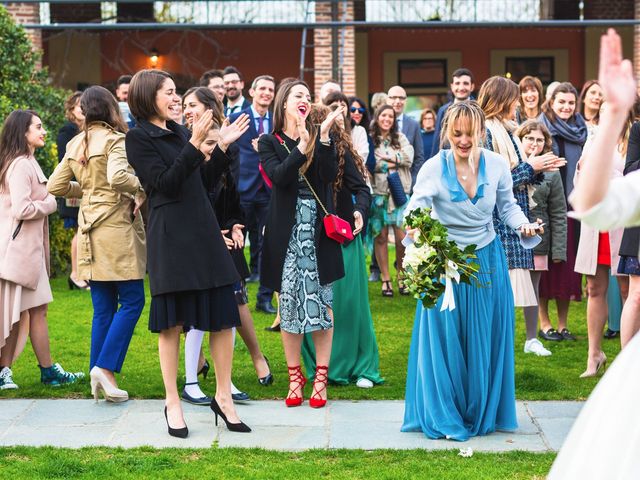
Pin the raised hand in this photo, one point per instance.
(304, 135)
(329, 121)
(229, 133)
(615, 74)
(201, 128)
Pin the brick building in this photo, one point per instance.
(415, 43)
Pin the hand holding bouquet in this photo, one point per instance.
(432, 262)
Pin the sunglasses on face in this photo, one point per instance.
(360, 110)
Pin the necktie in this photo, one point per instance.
(260, 125)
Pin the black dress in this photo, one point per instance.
(68, 213)
(191, 273)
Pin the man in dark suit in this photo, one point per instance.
(234, 85)
(397, 98)
(461, 88)
(254, 193)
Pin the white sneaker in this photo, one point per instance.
(6, 379)
(534, 345)
(364, 383)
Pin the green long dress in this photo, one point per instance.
(354, 353)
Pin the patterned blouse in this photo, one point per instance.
(522, 175)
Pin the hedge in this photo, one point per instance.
(23, 85)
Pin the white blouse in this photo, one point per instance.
(360, 141)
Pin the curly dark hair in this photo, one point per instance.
(344, 146)
(376, 133)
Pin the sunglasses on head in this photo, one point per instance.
(361, 110)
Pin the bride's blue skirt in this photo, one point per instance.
(460, 379)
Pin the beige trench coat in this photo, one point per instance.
(111, 243)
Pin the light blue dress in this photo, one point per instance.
(460, 379)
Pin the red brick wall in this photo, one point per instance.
(323, 48)
(475, 44)
(27, 13)
(190, 53)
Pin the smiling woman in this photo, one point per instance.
(191, 273)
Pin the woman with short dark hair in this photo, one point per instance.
(191, 273)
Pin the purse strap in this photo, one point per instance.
(303, 175)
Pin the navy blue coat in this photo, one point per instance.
(250, 180)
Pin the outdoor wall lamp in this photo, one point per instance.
(153, 57)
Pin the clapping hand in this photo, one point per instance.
(201, 128)
(329, 121)
(230, 132)
(304, 135)
(548, 162)
(616, 75)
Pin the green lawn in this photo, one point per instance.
(28, 463)
(537, 378)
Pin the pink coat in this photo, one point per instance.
(587, 255)
(24, 198)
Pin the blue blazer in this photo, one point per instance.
(250, 180)
(411, 129)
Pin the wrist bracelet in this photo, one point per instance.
(326, 142)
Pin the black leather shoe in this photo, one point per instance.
(567, 335)
(611, 334)
(374, 276)
(551, 335)
(266, 307)
(253, 278)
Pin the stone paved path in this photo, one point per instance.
(342, 424)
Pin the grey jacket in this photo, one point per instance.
(552, 209)
(411, 130)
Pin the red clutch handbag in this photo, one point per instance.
(337, 229)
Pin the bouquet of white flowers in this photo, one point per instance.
(433, 262)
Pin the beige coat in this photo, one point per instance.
(400, 158)
(587, 255)
(111, 245)
(24, 227)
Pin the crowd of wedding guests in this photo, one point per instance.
(169, 185)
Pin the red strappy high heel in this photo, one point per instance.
(316, 401)
(295, 377)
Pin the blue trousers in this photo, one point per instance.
(113, 327)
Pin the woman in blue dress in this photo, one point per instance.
(460, 379)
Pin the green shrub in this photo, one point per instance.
(22, 85)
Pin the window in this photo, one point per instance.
(542, 67)
(421, 73)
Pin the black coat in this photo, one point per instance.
(185, 249)
(66, 133)
(282, 168)
(353, 184)
(631, 237)
(226, 204)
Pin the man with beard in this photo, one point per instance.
(234, 84)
